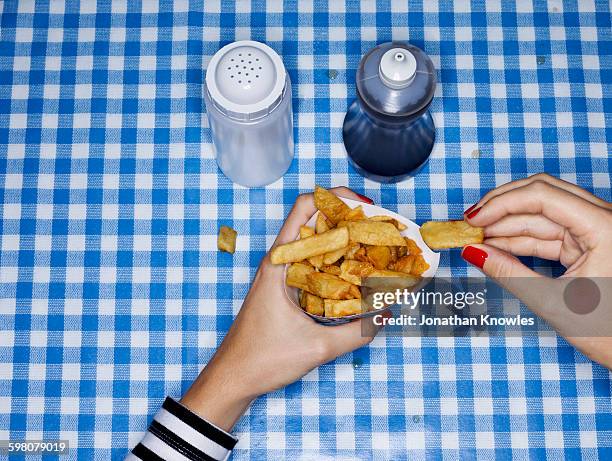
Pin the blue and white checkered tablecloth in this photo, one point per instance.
(112, 292)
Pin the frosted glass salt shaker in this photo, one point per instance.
(248, 101)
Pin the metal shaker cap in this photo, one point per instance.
(246, 80)
(396, 79)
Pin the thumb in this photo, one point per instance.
(527, 285)
(540, 294)
(544, 296)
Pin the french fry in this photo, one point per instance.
(297, 275)
(322, 224)
(331, 269)
(394, 250)
(388, 280)
(355, 214)
(311, 303)
(404, 264)
(419, 265)
(361, 255)
(333, 256)
(374, 233)
(400, 226)
(331, 287)
(353, 249)
(305, 232)
(331, 206)
(379, 256)
(439, 235)
(226, 240)
(316, 261)
(318, 244)
(353, 271)
(342, 223)
(335, 308)
(413, 248)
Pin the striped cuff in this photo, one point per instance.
(176, 433)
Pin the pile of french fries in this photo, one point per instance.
(329, 263)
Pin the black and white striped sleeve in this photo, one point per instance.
(177, 433)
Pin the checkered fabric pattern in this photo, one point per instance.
(112, 292)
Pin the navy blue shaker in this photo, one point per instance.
(388, 131)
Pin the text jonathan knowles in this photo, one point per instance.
(453, 320)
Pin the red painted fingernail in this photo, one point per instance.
(473, 213)
(470, 208)
(365, 199)
(474, 256)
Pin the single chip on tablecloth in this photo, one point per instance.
(226, 241)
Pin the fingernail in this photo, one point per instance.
(474, 256)
(473, 213)
(365, 199)
(470, 208)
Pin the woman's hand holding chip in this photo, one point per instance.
(549, 218)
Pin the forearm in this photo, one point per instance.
(198, 426)
(216, 397)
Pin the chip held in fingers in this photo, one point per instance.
(440, 235)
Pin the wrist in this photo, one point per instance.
(217, 398)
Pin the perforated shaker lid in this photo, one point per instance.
(246, 80)
(396, 79)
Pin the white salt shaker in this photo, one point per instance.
(248, 101)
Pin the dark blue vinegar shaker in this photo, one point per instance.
(388, 131)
